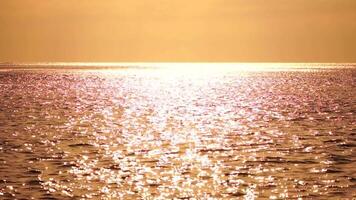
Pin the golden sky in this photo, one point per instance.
(178, 30)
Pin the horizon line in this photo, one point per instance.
(168, 65)
(144, 63)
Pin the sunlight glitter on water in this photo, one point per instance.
(158, 133)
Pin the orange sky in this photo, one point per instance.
(178, 30)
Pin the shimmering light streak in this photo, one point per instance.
(167, 132)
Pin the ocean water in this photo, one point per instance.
(236, 132)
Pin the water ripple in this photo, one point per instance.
(113, 134)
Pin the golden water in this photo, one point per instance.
(161, 134)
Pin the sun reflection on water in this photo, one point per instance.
(165, 133)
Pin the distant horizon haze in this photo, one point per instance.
(302, 31)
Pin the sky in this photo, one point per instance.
(178, 31)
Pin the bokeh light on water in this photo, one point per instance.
(163, 134)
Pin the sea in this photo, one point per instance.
(177, 131)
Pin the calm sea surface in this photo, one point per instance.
(167, 133)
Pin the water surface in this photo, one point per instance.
(160, 134)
